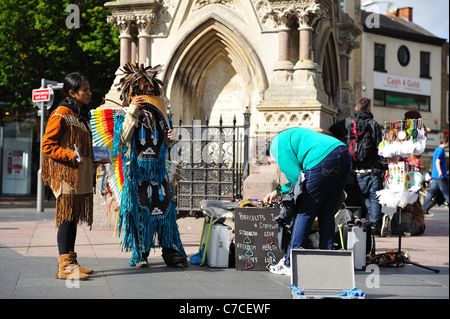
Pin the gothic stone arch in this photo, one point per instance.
(213, 71)
(328, 60)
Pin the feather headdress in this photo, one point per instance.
(132, 83)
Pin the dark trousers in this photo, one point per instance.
(369, 185)
(437, 184)
(324, 184)
(67, 233)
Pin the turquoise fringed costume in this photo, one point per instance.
(147, 216)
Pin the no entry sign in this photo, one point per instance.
(41, 95)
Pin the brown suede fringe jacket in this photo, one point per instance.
(71, 184)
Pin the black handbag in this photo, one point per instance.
(288, 212)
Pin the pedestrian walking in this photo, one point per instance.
(68, 168)
(439, 177)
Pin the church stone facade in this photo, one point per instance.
(287, 62)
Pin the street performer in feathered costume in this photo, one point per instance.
(67, 166)
(142, 136)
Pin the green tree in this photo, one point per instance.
(36, 43)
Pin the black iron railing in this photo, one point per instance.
(214, 162)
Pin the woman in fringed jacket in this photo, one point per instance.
(67, 166)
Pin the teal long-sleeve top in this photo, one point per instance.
(300, 149)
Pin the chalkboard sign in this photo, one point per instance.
(256, 242)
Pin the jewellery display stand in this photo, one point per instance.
(399, 257)
(403, 139)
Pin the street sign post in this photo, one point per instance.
(42, 97)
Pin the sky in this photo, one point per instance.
(431, 15)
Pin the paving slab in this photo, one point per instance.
(28, 259)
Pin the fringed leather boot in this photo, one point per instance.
(81, 268)
(68, 269)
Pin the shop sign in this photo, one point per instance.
(396, 83)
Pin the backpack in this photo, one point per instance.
(359, 138)
(412, 222)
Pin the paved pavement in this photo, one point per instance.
(28, 261)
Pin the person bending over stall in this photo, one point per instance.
(326, 164)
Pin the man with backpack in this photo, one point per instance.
(362, 134)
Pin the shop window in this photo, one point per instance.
(379, 57)
(378, 98)
(424, 103)
(401, 100)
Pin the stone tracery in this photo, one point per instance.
(302, 23)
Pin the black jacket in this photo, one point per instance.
(340, 131)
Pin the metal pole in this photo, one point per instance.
(246, 142)
(53, 85)
(40, 183)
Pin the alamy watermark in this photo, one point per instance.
(373, 19)
(74, 280)
(73, 19)
(373, 279)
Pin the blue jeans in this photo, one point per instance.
(324, 184)
(436, 184)
(369, 185)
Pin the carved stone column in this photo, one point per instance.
(301, 100)
(307, 18)
(305, 43)
(135, 21)
(307, 76)
(284, 67)
(145, 24)
(347, 42)
(284, 51)
(123, 23)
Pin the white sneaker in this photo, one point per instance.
(280, 268)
